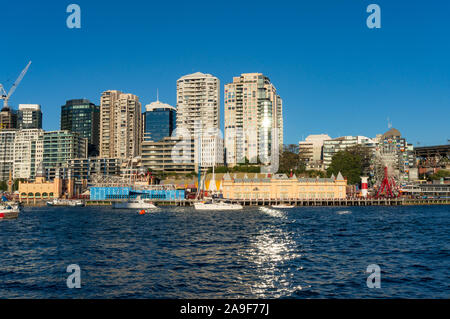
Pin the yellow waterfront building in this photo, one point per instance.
(42, 189)
(282, 187)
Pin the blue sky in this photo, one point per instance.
(334, 74)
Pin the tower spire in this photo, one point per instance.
(157, 95)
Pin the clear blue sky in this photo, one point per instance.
(334, 74)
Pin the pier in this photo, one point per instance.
(303, 202)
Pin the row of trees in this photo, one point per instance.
(352, 163)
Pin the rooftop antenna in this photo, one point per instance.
(157, 95)
(389, 123)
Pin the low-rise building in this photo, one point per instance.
(282, 187)
(169, 155)
(43, 189)
(311, 150)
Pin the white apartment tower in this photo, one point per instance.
(198, 114)
(120, 125)
(253, 120)
(28, 152)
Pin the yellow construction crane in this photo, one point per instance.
(5, 96)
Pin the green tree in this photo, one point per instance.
(290, 160)
(440, 174)
(349, 163)
(3, 186)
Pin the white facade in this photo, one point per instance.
(253, 119)
(198, 107)
(28, 152)
(311, 150)
(210, 148)
(331, 147)
(7, 138)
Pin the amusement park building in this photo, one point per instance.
(282, 187)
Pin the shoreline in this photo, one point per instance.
(268, 203)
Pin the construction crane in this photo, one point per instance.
(5, 96)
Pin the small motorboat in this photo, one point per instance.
(66, 202)
(134, 204)
(9, 211)
(217, 206)
(283, 206)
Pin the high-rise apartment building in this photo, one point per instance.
(83, 117)
(29, 116)
(159, 121)
(7, 138)
(120, 125)
(198, 110)
(28, 152)
(253, 120)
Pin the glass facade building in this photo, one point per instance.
(29, 116)
(82, 117)
(159, 121)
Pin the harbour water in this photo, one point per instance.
(177, 252)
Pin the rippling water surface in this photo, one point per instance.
(254, 253)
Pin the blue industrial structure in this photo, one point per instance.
(107, 193)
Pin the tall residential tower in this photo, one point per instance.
(120, 125)
(198, 113)
(253, 120)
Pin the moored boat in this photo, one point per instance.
(9, 211)
(134, 204)
(217, 206)
(283, 206)
(66, 202)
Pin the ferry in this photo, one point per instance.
(217, 206)
(134, 204)
(66, 202)
(283, 206)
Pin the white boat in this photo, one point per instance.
(217, 206)
(134, 204)
(9, 211)
(283, 206)
(66, 202)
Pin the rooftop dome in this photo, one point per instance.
(392, 133)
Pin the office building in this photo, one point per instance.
(198, 107)
(333, 146)
(169, 155)
(253, 120)
(61, 146)
(83, 117)
(8, 118)
(311, 151)
(120, 125)
(29, 116)
(85, 168)
(159, 121)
